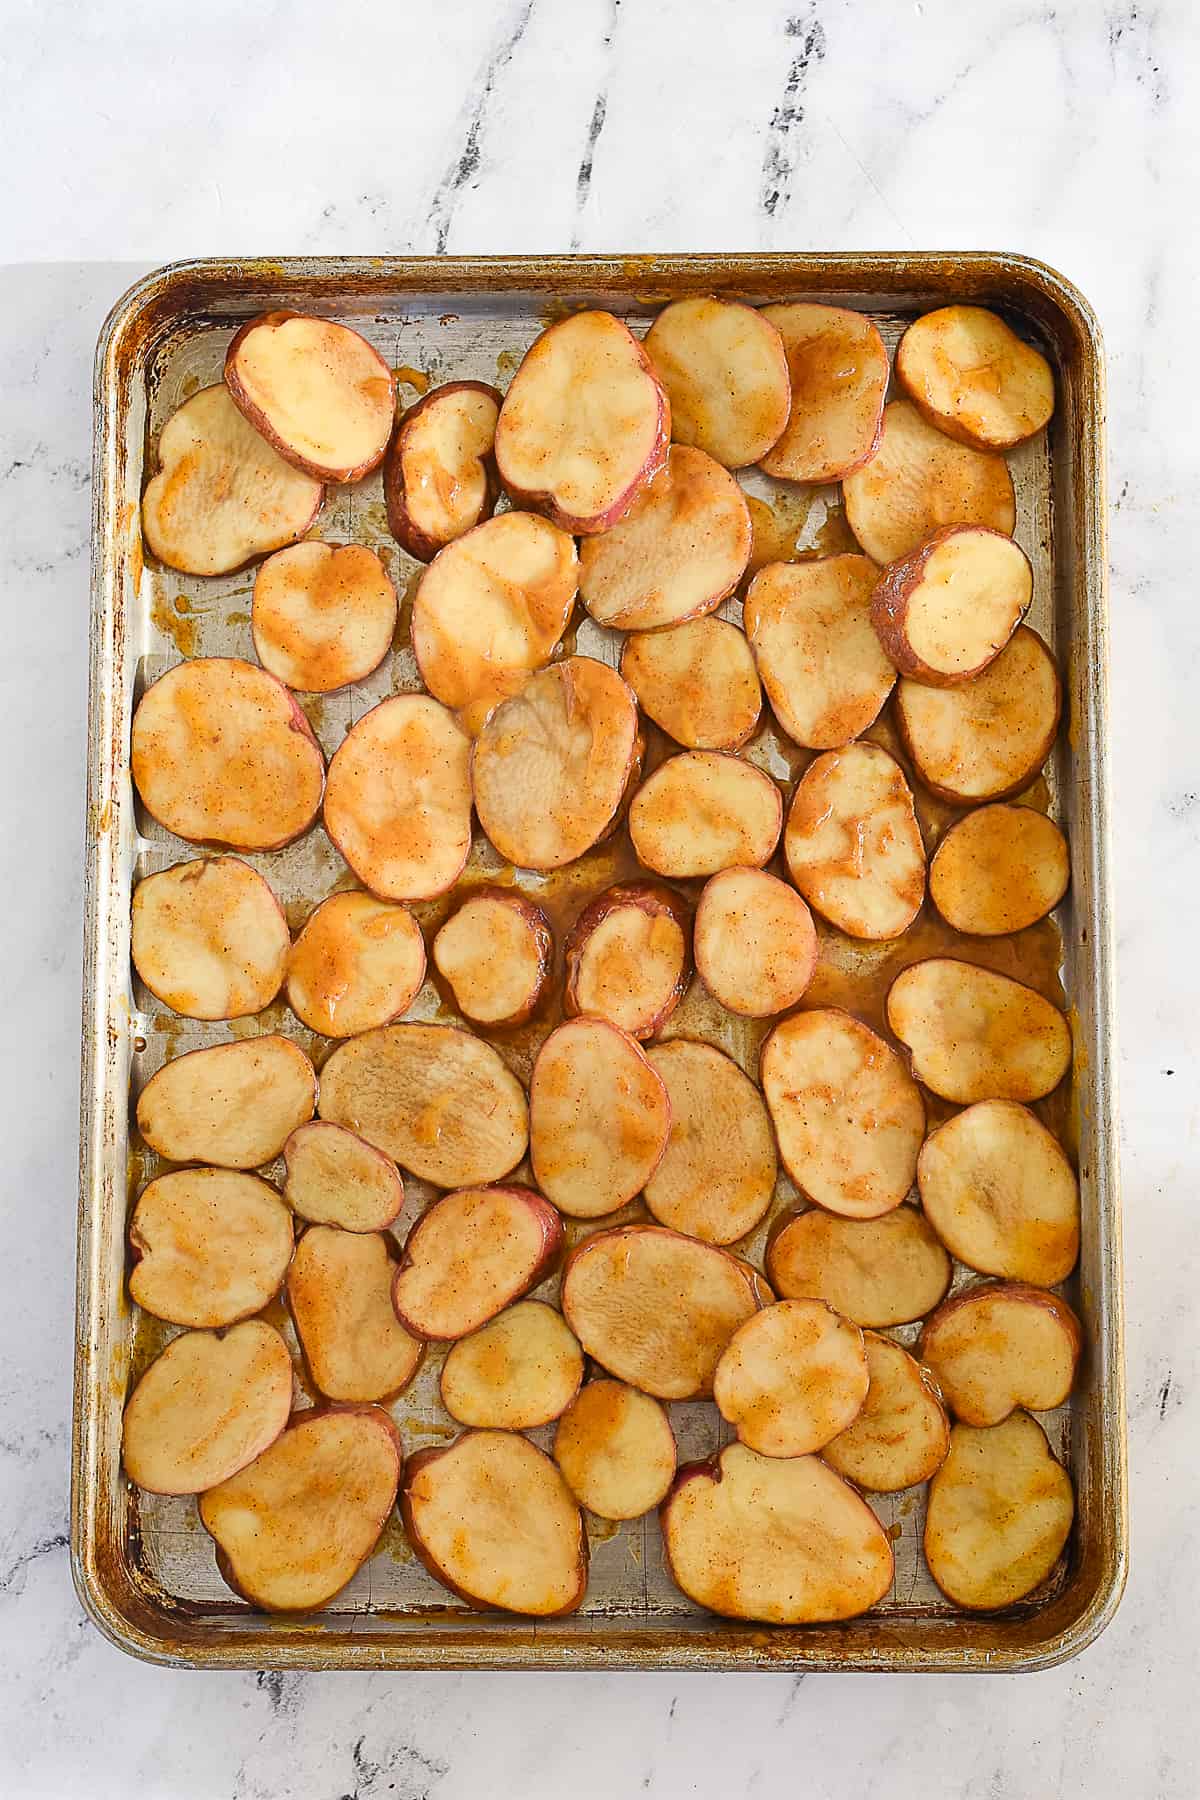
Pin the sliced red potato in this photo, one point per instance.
(703, 811)
(496, 953)
(293, 1528)
(339, 1291)
(918, 480)
(521, 1370)
(901, 1436)
(725, 371)
(616, 1450)
(679, 551)
(209, 938)
(471, 1254)
(433, 1098)
(717, 1173)
(988, 738)
(945, 611)
(853, 845)
(210, 1246)
(235, 1104)
(782, 1540)
(322, 615)
(998, 870)
(628, 958)
(439, 479)
(1001, 1194)
(398, 799)
(975, 1035)
(791, 1378)
(552, 764)
(809, 626)
(357, 963)
(1002, 1345)
(755, 942)
(221, 753)
(598, 1118)
(697, 681)
(885, 1271)
(584, 424)
(838, 370)
(206, 1407)
(848, 1115)
(492, 1519)
(974, 378)
(222, 495)
(316, 390)
(336, 1178)
(999, 1514)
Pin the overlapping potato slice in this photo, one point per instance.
(838, 370)
(496, 953)
(975, 1035)
(703, 811)
(853, 844)
(998, 870)
(439, 479)
(999, 1514)
(1001, 1345)
(520, 1370)
(616, 1450)
(754, 941)
(809, 626)
(974, 378)
(339, 1291)
(791, 1378)
(717, 1173)
(316, 390)
(697, 681)
(471, 1254)
(918, 480)
(235, 1104)
(947, 609)
(336, 1178)
(724, 368)
(210, 1246)
(322, 615)
(989, 737)
(885, 1271)
(357, 963)
(628, 959)
(902, 1434)
(209, 938)
(598, 1118)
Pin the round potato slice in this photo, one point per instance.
(222, 495)
(293, 1528)
(1002, 1345)
(552, 764)
(628, 959)
(433, 1098)
(853, 845)
(988, 738)
(782, 1540)
(717, 1173)
(616, 1450)
(998, 870)
(206, 1407)
(791, 1378)
(902, 1435)
(848, 1115)
(809, 626)
(221, 753)
(1000, 1193)
(945, 611)
(755, 942)
(235, 1104)
(725, 371)
(316, 390)
(974, 378)
(339, 1291)
(398, 801)
(322, 615)
(336, 1178)
(439, 478)
(598, 1118)
(496, 953)
(209, 938)
(838, 369)
(471, 1254)
(975, 1035)
(357, 963)
(885, 1271)
(210, 1246)
(703, 811)
(697, 681)
(918, 480)
(521, 1370)
(999, 1514)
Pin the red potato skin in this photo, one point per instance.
(1023, 1291)
(540, 926)
(554, 1239)
(1015, 787)
(393, 1250)
(654, 900)
(889, 611)
(406, 532)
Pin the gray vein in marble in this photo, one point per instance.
(583, 180)
(464, 166)
(779, 156)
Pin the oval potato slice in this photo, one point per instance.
(987, 738)
(616, 1450)
(209, 938)
(809, 626)
(975, 1035)
(316, 390)
(471, 1254)
(838, 370)
(918, 480)
(755, 942)
(999, 1514)
(945, 611)
(628, 959)
(902, 1435)
(322, 615)
(235, 1104)
(357, 963)
(881, 1272)
(336, 1178)
(791, 1378)
(725, 371)
(598, 1118)
(439, 476)
(998, 870)
(703, 811)
(520, 1370)
(339, 1291)
(697, 681)
(717, 1173)
(853, 844)
(496, 953)
(974, 378)
(210, 1246)
(1002, 1345)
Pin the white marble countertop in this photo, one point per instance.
(133, 134)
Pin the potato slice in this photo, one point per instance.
(316, 390)
(703, 811)
(697, 681)
(901, 1436)
(975, 1035)
(210, 1246)
(838, 370)
(725, 371)
(999, 1514)
(945, 611)
(598, 1118)
(616, 1450)
(221, 753)
(809, 625)
(791, 1378)
(655, 1308)
(628, 959)
(853, 845)
(336, 1178)
(552, 765)
(471, 1254)
(885, 1271)
(1001, 1345)
(357, 963)
(322, 615)
(235, 1104)
(584, 425)
(492, 1519)
(998, 870)
(495, 953)
(222, 495)
(918, 480)
(1000, 1193)
(293, 1528)
(974, 378)
(433, 1098)
(490, 608)
(988, 738)
(398, 800)
(679, 551)
(521, 1370)
(206, 1407)
(848, 1115)
(782, 1540)
(717, 1173)
(439, 478)
(755, 942)
(209, 938)
(339, 1291)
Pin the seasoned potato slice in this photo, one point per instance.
(520, 1370)
(945, 611)
(322, 615)
(724, 368)
(339, 1290)
(628, 959)
(885, 1271)
(974, 378)
(1002, 1345)
(472, 1254)
(809, 625)
(496, 953)
(616, 1450)
(210, 1246)
(838, 369)
(791, 1378)
(316, 390)
(703, 811)
(439, 478)
(598, 1118)
(698, 681)
(918, 480)
(902, 1434)
(853, 845)
(336, 1178)
(717, 1173)
(998, 870)
(357, 963)
(755, 942)
(975, 1035)
(235, 1104)
(209, 938)
(988, 738)
(999, 1514)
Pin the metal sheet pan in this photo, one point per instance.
(144, 1567)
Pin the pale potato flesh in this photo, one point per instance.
(703, 811)
(322, 615)
(336, 1178)
(520, 1370)
(988, 737)
(809, 626)
(598, 1118)
(628, 959)
(725, 371)
(697, 681)
(211, 1246)
(339, 1291)
(975, 378)
(838, 370)
(901, 1436)
(438, 480)
(791, 1378)
(1002, 1345)
(357, 963)
(495, 952)
(235, 1104)
(975, 1035)
(616, 1450)
(853, 844)
(998, 870)
(209, 938)
(999, 1514)
(316, 390)
(881, 1272)
(755, 942)
(717, 1173)
(945, 611)
(918, 480)
(472, 1254)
